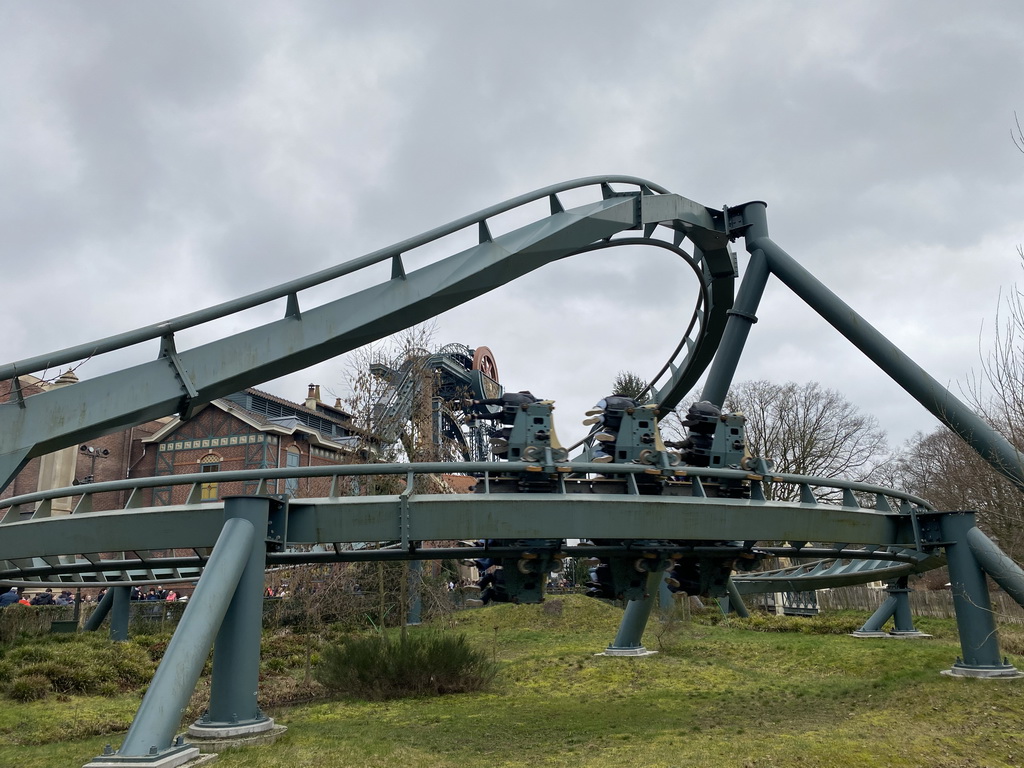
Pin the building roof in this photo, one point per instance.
(332, 428)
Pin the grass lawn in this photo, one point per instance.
(716, 694)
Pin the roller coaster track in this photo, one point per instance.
(702, 513)
(179, 381)
(71, 550)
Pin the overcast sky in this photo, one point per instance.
(160, 158)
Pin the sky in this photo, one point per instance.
(160, 158)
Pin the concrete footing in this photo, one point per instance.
(637, 651)
(183, 757)
(215, 739)
(987, 673)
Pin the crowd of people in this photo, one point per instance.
(154, 593)
(18, 595)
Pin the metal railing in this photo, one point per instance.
(885, 500)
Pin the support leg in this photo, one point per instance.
(100, 612)
(234, 710)
(415, 615)
(903, 618)
(873, 626)
(631, 630)
(896, 607)
(148, 742)
(121, 613)
(736, 600)
(975, 621)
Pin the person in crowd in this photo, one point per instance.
(44, 598)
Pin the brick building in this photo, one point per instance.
(247, 430)
(250, 430)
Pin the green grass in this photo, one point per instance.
(786, 693)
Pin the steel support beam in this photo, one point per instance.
(234, 710)
(744, 312)
(100, 612)
(736, 600)
(939, 401)
(975, 621)
(628, 640)
(121, 614)
(152, 731)
(1004, 572)
(896, 607)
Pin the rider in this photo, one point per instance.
(510, 402)
(606, 416)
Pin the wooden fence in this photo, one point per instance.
(923, 602)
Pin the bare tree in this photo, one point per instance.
(808, 430)
(1018, 134)
(943, 469)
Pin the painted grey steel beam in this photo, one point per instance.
(168, 694)
(56, 418)
(441, 517)
(1006, 573)
(629, 638)
(975, 621)
(877, 620)
(100, 612)
(744, 313)
(120, 614)
(939, 401)
(736, 600)
(234, 708)
(155, 528)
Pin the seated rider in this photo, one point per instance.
(492, 587)
(606, 416)
(509, 402)
(701, 419)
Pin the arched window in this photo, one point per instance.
(209, 463)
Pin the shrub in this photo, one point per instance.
(30, 688)
(80, 664)
(65, 677)
(381, 667)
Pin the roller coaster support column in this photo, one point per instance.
(96, 618)
(896, 607)
(148, 743)
(992, 446)
(234, 712)
(742, 315)
(1006, 573)
(121, 614)
(415, 615)
(734, 601)
(974, 618)
(631, 629)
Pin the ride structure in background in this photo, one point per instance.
(649, 511)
